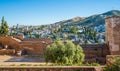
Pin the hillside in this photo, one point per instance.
(94, 20)
(86, 30)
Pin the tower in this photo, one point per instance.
(113, 34)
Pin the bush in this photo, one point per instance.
(115, 66)
(64, 53)
(22, 64)
(91, 64)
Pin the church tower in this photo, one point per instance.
(113, 34)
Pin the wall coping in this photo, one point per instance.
(51, 66)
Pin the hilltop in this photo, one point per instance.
(94, 20)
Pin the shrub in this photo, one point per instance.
(64, 53)
(12, 65)
(115, 66)
(22, 64)
(91, 64)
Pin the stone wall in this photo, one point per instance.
(93, 52)
(21, 37)
(7, 52)
(33, 48)
(9, 41)
(30, 47)
(113, 34)
(53, 68)
(96, 52)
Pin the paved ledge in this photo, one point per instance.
(50, 66)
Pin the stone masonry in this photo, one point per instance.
(113, 34)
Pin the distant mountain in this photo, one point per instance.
(94, 20)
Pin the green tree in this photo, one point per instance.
(64, 53)
(90, 33)
(4, 27)
(74, 30)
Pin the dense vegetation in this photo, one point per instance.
(115, 66)
(4, 27)
(64, 53)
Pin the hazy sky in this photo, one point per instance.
(37, 12)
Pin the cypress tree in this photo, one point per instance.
(4, 27)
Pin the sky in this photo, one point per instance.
(40, 12)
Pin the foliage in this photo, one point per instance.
(54, 37)
(74, 30)
(4, 27)
(64, 53)
(41, 27)
(36, 35)
(115, 66)
(90, 33)
(91, 64)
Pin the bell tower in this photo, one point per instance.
(113, 34)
